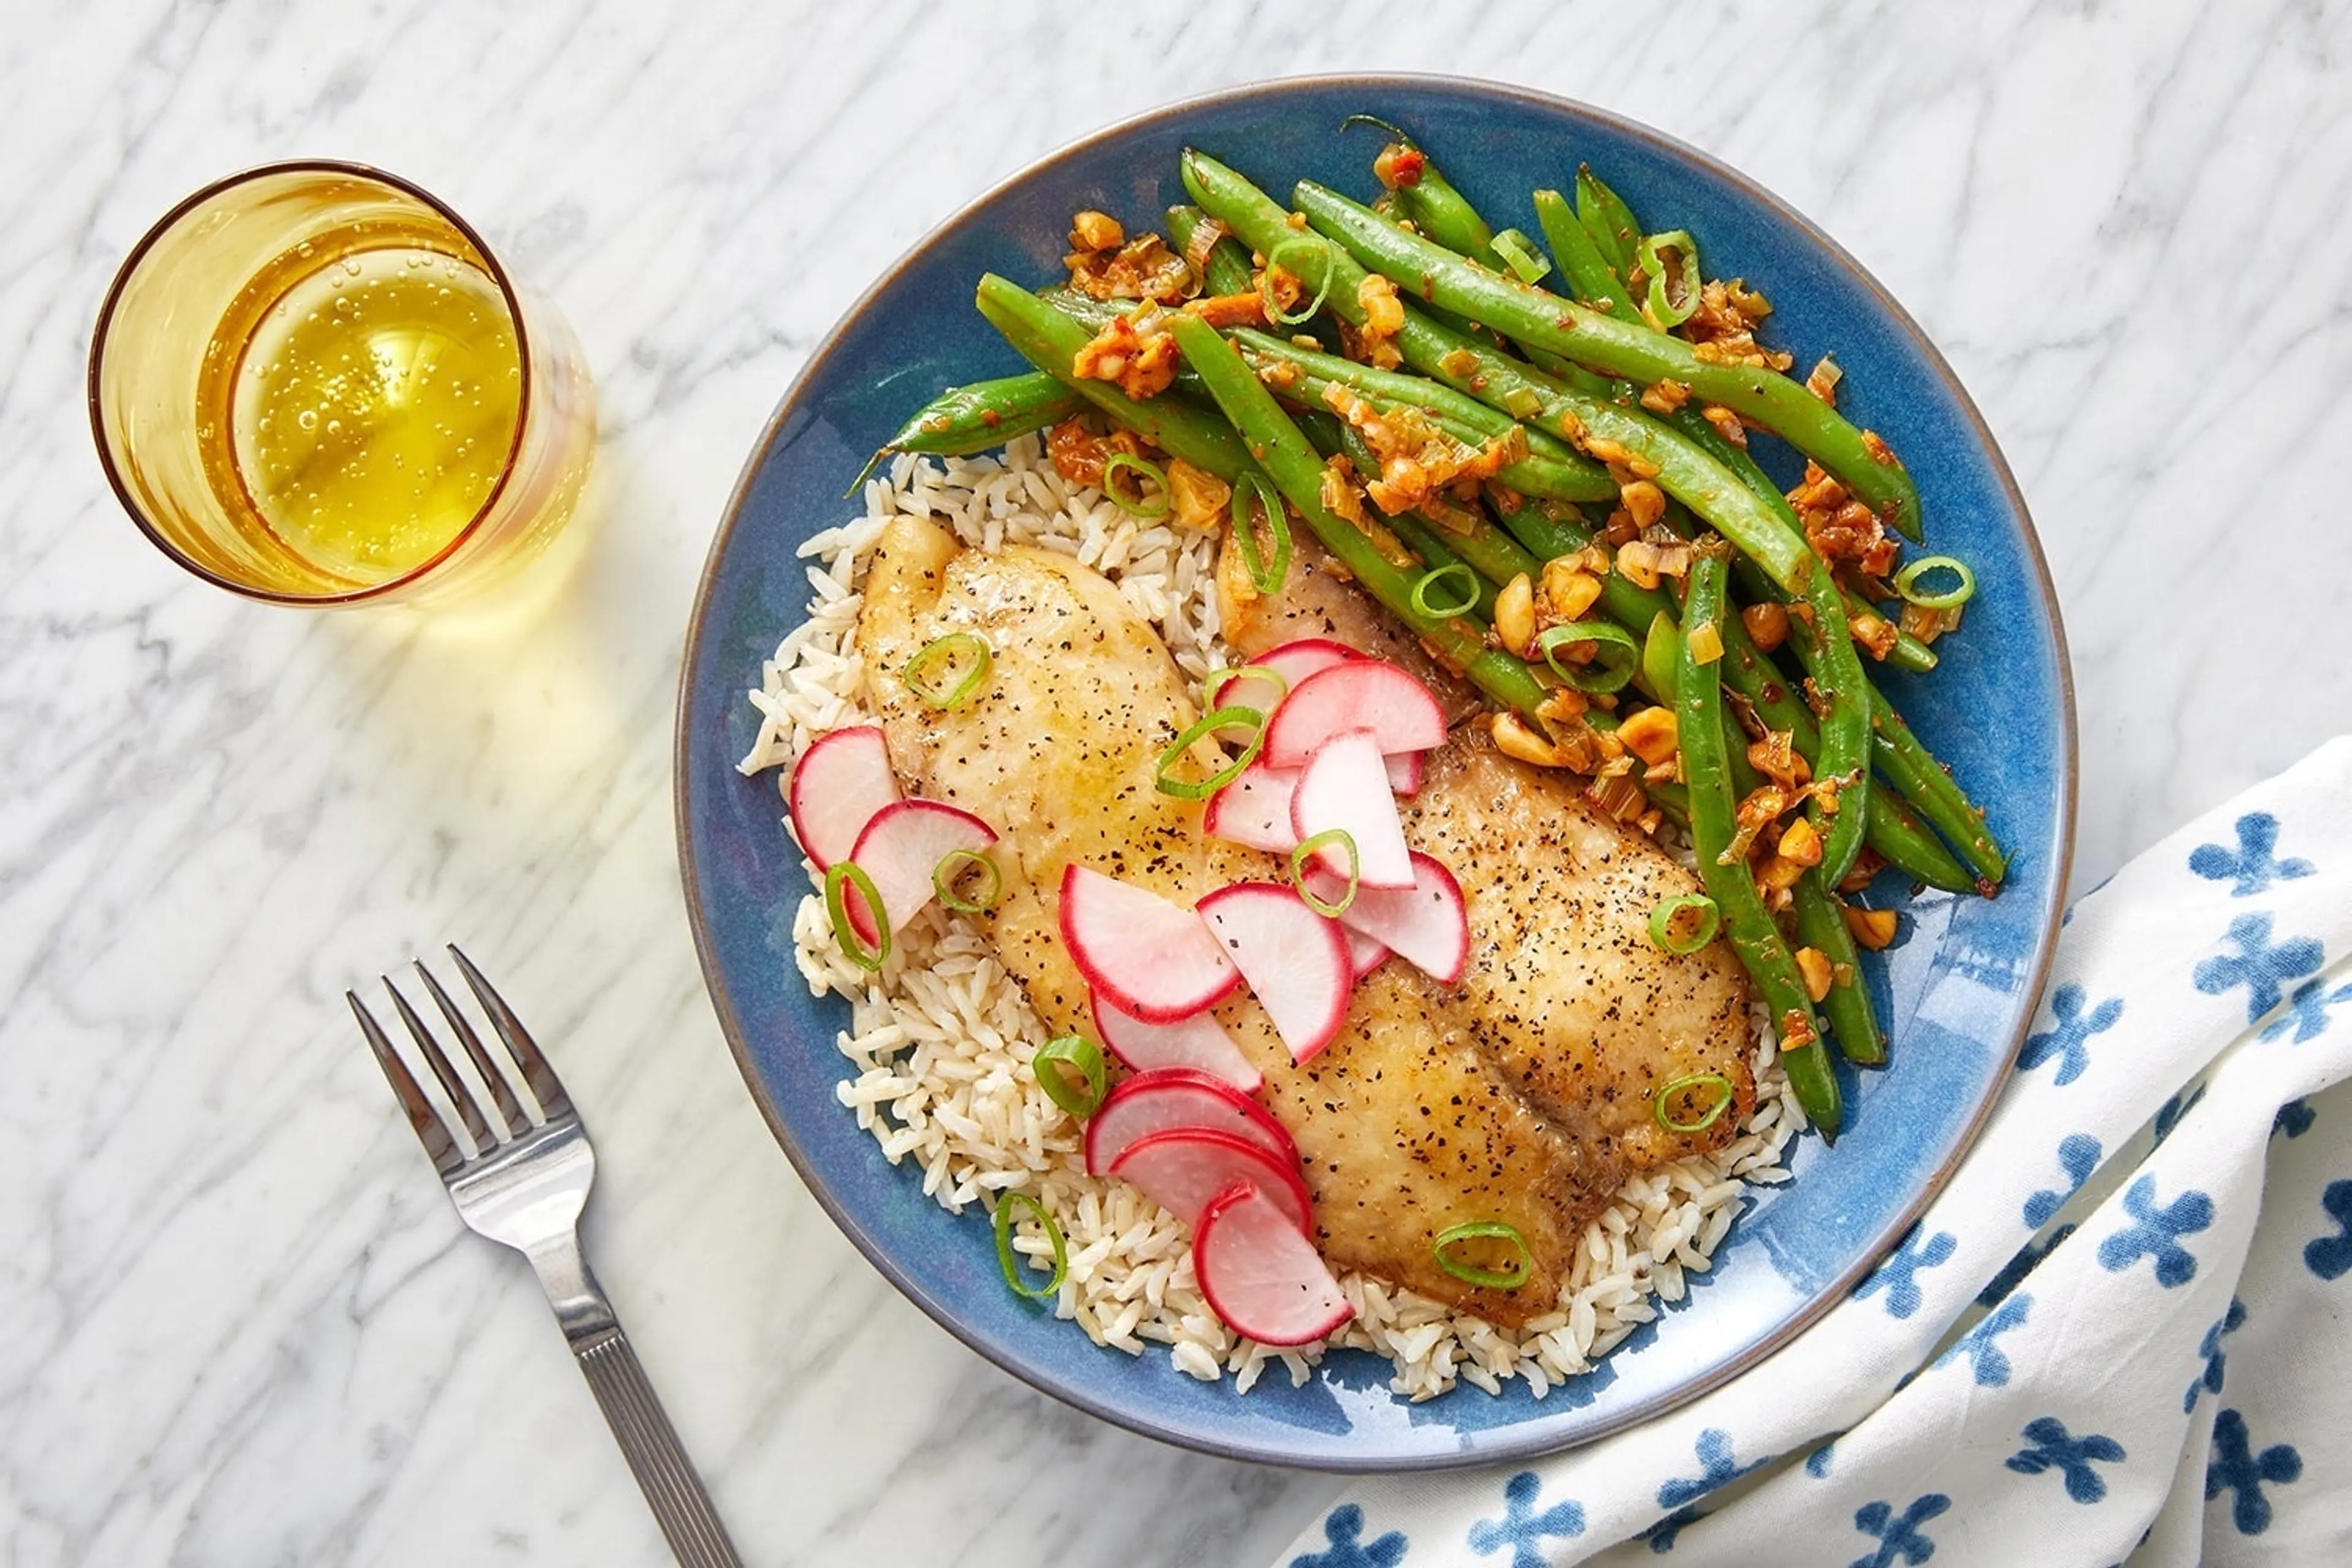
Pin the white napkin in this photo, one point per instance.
(2121, 1334)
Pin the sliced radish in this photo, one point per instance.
(1197, 1044)
(1298, 659)
(900, 848)
(1345, 786)
(1404, 771)
(1428, 926)
(1151, 958)
(1294, 960)
(1261, 1276)
(1181, 1169)
(838, 785)
(1153, 1102)
(1365, 953)
(1362, 694)
(1254, 809)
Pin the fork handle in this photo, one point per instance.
(656, 1457)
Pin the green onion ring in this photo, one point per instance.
(1659, 651)
(1294, 247)
(1314, 844)
(1667, 314)
(1453, 572)
(1123, 462)
(1521, 255)
(1011, 1263)
(1620, 655)
(952, 865)
(1489, 1278)
(1692, 1080)
(837, 906)
(1906, 583)
(920, 669)
(1208, 724)
(1669, 911)
(1266, 577)
(1083, 1057)
(1219, 680)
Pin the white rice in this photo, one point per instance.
(942, 1038)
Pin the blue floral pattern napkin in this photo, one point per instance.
(2122, 1333)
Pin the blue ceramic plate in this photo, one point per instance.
(1956, 993)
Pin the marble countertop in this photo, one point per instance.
(243, 1325)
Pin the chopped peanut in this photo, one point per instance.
(1515, 738)
(1383, 312)
(1567, 592)
(1198, 498)
(1667, 397)
(1872, 928)
(1644, 501)
(1874, 632)
(1651, 735)
(1727, 423)
(1801, 844)
(1780, 874)
(1796, 1031)
(1814, 965)
(1136, 352)
(1777, 758)
(1091, 230)
(1515, 615)
(1767, 623)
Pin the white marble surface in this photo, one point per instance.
(242, 1326)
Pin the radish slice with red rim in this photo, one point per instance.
(1404, 771)
(840, 781)
(1195, 1043)
(1303, 657)
(1344, 788)
(1150, 958)
(1362, 694)
(1181, 1169)
(900, 848)
(1294, 960)
(1254, 809)
(1262, 1276)
(1428, 925)
(1365, 953)
(1169, 1098)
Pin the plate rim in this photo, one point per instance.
(943, 1313)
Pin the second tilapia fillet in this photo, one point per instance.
(1521, 1095)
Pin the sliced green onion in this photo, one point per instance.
(1432, 581)
(1659, 651)
(848, 873)
(1521, 255)
(1693, 1080)
(926, 673)
(950, 870)
(1010, 1262)
(1220, 679)
(1316, 843)
(1906, 583)
(1663, 308)
(1200, 729)
(1145, 507)
(1620, 655)
(1299, 246)
(1266, 576)
(1672, 932)
(1082, 1057)
(1509, 1278)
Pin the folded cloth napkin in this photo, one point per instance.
(2121, 1334)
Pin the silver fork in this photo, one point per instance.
(525, 1187)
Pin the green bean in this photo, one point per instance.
(1706, 776)
(1227, 270)
(983, 414)
(1488, 551)
(1608, 222)
(1051, 340)
(1551, 468)
(1582, 267)
(1899, 754)
(1543, 320)
(1273, 441)
(1821, 925)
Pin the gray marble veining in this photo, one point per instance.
(243, 1325)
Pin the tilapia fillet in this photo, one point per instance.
(1523, 1095)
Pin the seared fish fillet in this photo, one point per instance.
(1518, 1097)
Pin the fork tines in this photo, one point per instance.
(432, 1130)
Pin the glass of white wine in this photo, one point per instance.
(312, 384)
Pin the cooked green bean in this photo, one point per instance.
(1713, 806)
(981, 414)
(1897, 754)
(1608, 222)
(1290, 460)
(1494, 554)
(1821, 925)
(1227, 270)
(1427, 270)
